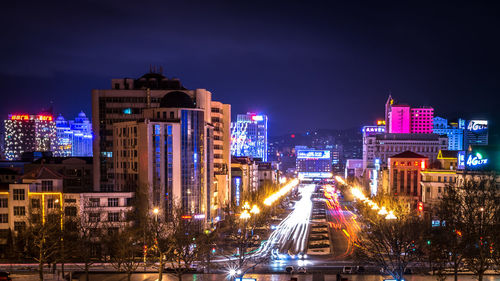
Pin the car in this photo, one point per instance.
(302, 270)
(347, 269)
(4, 276)
(289, 269)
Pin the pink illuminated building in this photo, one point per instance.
(422, 120)
(403, 119)
(399, 119)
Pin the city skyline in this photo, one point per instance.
(334, 52)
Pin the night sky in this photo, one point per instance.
(307, 64)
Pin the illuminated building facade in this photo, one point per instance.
(404, 175)
(453, 131)
(74, 137)
(29, 133)
(383, 146)
(168, 157)
(312, 163)
(127, 99)
(249, 136)
(403, 119)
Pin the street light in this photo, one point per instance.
(156, 211)
(382, 211)
(255, 210)
(246, 206)
(245, 215)
(390, 216)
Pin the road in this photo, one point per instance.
(290, 236)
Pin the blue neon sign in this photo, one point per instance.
(476, 160)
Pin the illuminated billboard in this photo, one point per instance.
(476, 132)
(372, 130)
(313, 154)
(477, 125)
(315, 175)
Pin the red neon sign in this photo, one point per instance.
(44, 117)
(23, 117)
(20, 117)
(187, 217)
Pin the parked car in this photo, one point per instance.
(289, 269)
(302, 270)
(347, 269)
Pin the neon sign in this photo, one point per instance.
(257, 118)
(313, 154)
(476, 160)
(461, 160)
(24, 117)
(477, 125)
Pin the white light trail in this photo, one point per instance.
(291, 234)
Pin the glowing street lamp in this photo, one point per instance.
(383, 211)
(245, 215)
(255, 210)
(246, 206)
(390, 216)
(375, 206)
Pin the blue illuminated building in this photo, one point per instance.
(74, 137)
(453, 130)
(249, 136)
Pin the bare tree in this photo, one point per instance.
(125, 250)
(479, 205)
(43, 237)
(183, 248)
(391, 244)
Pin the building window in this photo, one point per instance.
(18, 194)
(35, 203)
(70, 211)
(4, 203)
(112, 231)
(19, 226)
(47, 185)
(94, 202)
(113, 217)
(19, 211)
(439, 178)
(4, 218)
(69, 200)
(112, 202)
(94, 217)
(50, 203)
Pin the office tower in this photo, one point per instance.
(29, 133)
(74, 137)
(313, 163)
(403, 119)
(452, 131)
(249, 136)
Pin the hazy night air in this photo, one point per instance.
(321, 58)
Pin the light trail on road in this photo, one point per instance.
(284, 190)
(290, 235)
(347, 224)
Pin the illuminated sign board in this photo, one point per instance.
(323, 175)
(237, 183)
(23, 117)
(371, 130)
(461, 160)
(380, 122)
(477, 125)
(475, 160)
(313, 154)
(257, 118)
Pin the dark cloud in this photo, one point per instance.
(307, 64)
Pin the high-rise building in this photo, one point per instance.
(249, 136)
(74, 137)
(313, 163)
(155, 136)
(404, 175)
(29, 133)
(403, 119)
(454, 133)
